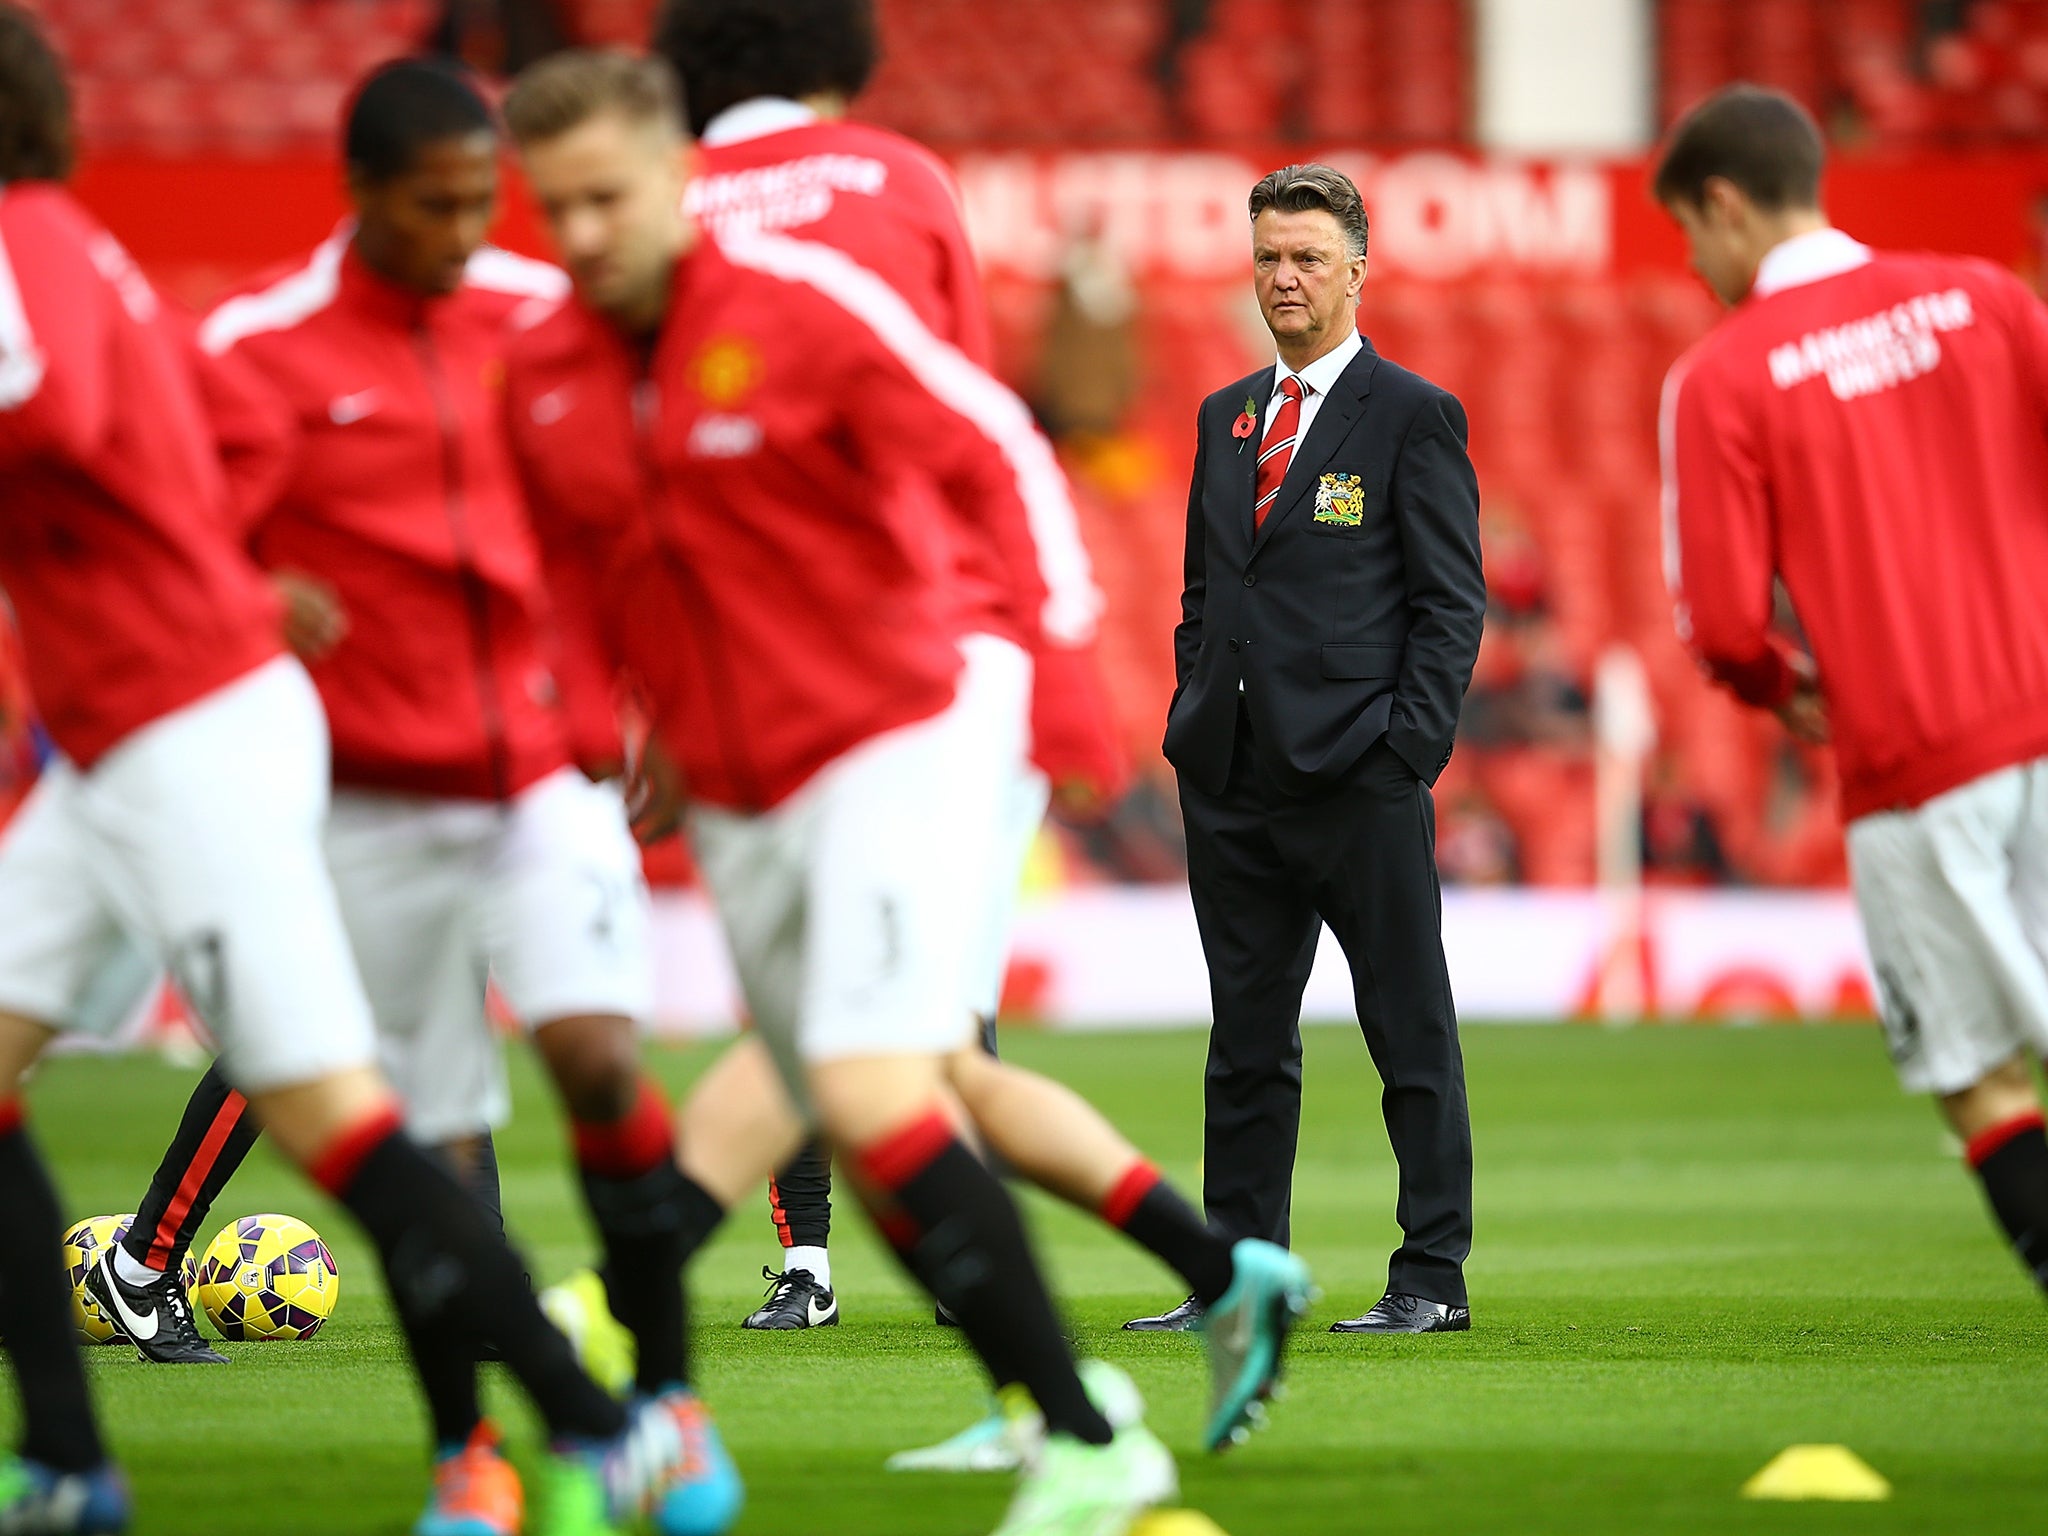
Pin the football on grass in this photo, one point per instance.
(267, 1277)
(83, 1246)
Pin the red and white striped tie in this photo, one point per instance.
(1278, 448)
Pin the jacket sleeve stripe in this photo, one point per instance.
(504, 271)
(1073, 601)
(284, 304)
(21, 362)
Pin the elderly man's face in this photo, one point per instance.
(1308, 282)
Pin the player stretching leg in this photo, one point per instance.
(1871, 428)
(714, 442)
(462, 842)
(185, 807)
(766, 88)
(1020, 572)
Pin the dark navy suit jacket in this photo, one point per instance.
(1354, 612)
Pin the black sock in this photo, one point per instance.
(971, 1253)
(35, 1310)
(1153, 1215)
(453, 1280)
(2012, 1162)
(479, 1175)
(800, 1198)
(650, 1227)
(991, 1345)
(213, 1138)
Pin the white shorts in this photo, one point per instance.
(200, 835)
(1954, 897)
(850, 908)
(543, 896)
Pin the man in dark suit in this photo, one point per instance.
(1328, 629)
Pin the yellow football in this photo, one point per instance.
(83, 1246)
(268, 1277)
(1176, 1522)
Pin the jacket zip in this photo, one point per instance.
(474, 595)
(696, 605)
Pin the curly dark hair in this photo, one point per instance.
(730, 51)
(36, 141)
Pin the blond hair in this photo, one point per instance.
(566, 90)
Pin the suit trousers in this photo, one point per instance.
(1267, 871)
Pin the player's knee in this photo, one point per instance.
(2001, 1094)
(21, 1042)
(860, 1102)
(595, 1063)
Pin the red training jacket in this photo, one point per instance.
(393, 483)
(773, 165)
(130, 599)
(741, 520)
(1873, 429)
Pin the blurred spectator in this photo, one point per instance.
(1140, 840)
(1088, 368)
(1474, 844)
(1680, 843)
(498, 37)
(1525, 692)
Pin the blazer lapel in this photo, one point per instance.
(1247, 450)
(1332, 425)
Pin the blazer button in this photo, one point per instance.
(1250, 580)
(1233, 645)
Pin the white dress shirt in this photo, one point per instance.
(1317, 380)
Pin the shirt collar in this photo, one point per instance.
(1807, 258)
(755, 119)
(1320, 375)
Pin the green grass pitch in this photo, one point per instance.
(1695, 1247)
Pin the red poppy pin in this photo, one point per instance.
(1247, 423)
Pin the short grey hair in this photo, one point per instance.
(1298, 188)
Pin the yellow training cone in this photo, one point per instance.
(1176, 1522)
(1817, 1472)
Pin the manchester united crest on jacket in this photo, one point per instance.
(1340, 499)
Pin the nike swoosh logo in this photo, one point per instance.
(140, 1326)
(819, 1311)
(349, 409)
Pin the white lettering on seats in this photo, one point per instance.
(1877, 352)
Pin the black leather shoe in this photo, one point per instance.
(1396, 1313)
(1182, 1318)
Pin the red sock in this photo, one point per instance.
(958, 1232)
(1982, 1145)
(907, 1151)
(1152, 1214)
(1124, 1197)
(338, 1163)
(635, 1143)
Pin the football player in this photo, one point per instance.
(1866, 427)
(767, 88)
(725, 449)
(186, 807)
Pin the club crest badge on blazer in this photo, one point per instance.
(1340, 499)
